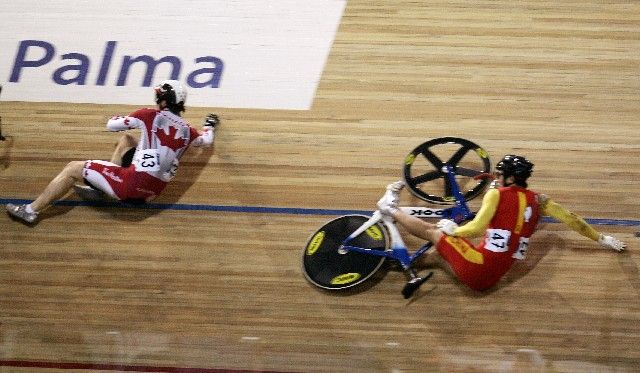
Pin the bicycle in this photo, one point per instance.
(348, 250)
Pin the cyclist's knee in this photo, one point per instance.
(434, 235)
(127, 141)
(74, 169)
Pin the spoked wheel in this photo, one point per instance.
(327, 267)
(424, 175)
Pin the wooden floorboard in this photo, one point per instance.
(189, 286)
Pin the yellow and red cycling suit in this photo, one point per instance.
(507, 218)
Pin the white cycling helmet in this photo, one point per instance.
(173, 92)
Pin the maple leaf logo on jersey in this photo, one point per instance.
(169, 140)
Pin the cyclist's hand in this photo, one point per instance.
(610, 242)
(447, 226)
(396, 187)
(211, 121)
(388, 204)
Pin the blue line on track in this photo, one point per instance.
(269, 210)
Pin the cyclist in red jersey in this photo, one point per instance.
(507, 218)
(139, 169)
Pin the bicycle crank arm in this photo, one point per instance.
(413, 285)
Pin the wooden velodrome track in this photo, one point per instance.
(196, 286)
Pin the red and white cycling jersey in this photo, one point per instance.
(164, 139)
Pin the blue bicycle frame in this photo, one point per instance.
(459, 212)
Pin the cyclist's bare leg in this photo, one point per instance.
(60, 185)
(433, 259)
(125, 143)
(418, 227)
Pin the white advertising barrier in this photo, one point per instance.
(240, 54)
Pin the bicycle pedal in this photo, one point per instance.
(413, 285)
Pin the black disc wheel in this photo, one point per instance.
(426, 178)
(325, 265)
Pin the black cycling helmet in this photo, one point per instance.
(517, 166)
(173, 93)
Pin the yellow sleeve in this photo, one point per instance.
(578, 224)
(480, 222)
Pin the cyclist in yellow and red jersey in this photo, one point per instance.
(507, 218)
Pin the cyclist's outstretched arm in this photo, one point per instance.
(578, 224)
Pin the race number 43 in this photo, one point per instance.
(147, 160)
